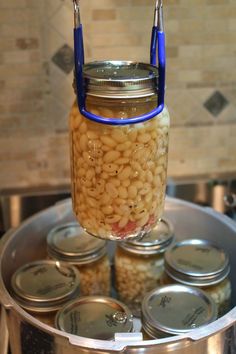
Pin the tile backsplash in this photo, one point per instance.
(36, 73)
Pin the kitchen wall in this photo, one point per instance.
(36, 64)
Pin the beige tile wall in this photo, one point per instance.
(36, 95)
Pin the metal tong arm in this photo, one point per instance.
(157, 40)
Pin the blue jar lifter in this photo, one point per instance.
(157, 46)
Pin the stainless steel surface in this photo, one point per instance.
(158, 16)
(154, 242)
(77, 20)
(17, 205)
(197, 262)
(230, 200)
(176, 309)
(218, 337)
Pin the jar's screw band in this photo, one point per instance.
(157, 46)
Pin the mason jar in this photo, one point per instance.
(175, 310)
(139, 265)
(119, 171)
(69, 243)
(95, 317)
(202, 264)
(43, 287)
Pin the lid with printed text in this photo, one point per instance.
(95, 317)
(44, 286)
(156, 241)
(69, 242)
(176, 309)
(196, 262)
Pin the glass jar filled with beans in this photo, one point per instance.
(139, 265)
(69, 243)
(202, 264)
(119, 171)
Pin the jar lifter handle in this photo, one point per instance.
(157, 40)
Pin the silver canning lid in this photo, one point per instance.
(176, 309)
(44, 286)
(196, 262)
(156, 241)
(120, 79)
(69, 242)
(95, 317)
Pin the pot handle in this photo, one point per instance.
(3, 241)
(4, 337)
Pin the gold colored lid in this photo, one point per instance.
(45, 285)
(69, 242)
(120, 79)
(196, 262)
(95, 317)
(176, 309)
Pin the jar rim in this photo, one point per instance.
(120, 79)
(155, 242)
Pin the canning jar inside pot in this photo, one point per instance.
(69, 243)
(201, 264)
(139, 265)
(119, 171)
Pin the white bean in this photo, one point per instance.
(111, 190)
(125, 173)
(108, 141)
(111, 156)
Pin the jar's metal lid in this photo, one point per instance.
(176, 309)
(43, 286)
(120, 79)
(69, 242)
(156, 241)
(197, 262)
(95, 317)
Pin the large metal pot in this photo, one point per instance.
(28, 243)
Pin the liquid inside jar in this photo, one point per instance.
(220, 293)
(118, 172)
(136, 275)
(95, 278)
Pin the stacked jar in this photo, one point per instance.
(119, 171)
(69, 243)
(200, 263)
(43, 287)
(139, 265)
